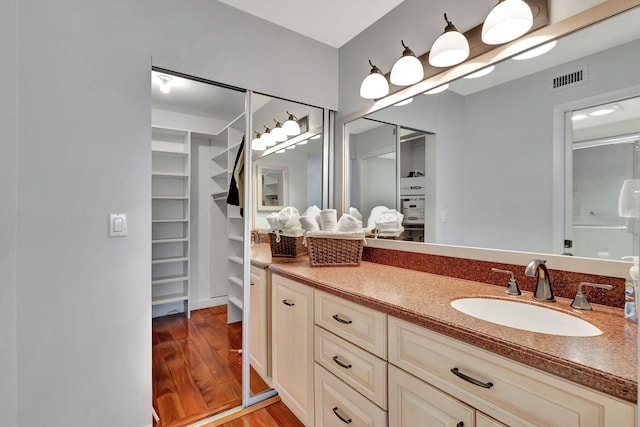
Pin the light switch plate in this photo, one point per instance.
(117, 225)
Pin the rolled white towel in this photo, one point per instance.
(355, 213)
(289, 218)
(375, 213)
(274, 221)
(389, 220)
(309, 223)
(350, 223)
(314, 212)
(328, 219)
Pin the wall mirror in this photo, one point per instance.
(272, 188)
(301, 160)
(498, 149)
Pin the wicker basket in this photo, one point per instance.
(334, 251)
(283, 245)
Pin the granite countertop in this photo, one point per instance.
(607, 362)
(261, 257)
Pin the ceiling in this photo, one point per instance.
(332, 22)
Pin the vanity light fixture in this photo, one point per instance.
(291, 147)
(451, 48)
(291, 126)
(578, 116)
(507, 21)
(318, 136)
(281, 151)
(408, 69)
(257, 144)
(605, 110)
(438, 89)
(267, 138)
(404, 102)
(481, 73)
(537, 51)
(304, 142)
(278, 133)
(165, 83)
(375, 85)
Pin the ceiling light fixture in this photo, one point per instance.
(481, 73)
(375, 85)
(536, 51)
(278, 133)
(165, 83)
(578, 116)
(267, 138)
(450, 48)
(507, 21)
(408, 69)
(291, 126)
(257, 143)
(438, 89)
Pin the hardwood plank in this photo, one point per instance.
(169, 408)
(190, 396)
(282, 416)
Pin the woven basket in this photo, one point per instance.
(287, 246)
(334, 252)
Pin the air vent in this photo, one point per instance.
(573, 78)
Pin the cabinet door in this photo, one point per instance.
(483, 420)
(415, 403)
(259, 322)
(292, 306)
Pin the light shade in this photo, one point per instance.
(278, 133)
(536, 51)
(165, 83)
(629, 199)
(450, 48)
(507, 21)
(407, 70)
(267, 138)
(291, 126)
(481, 73)
(257, 144)
(438, 89)
(404, 102)
(375, 85)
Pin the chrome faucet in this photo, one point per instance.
(544, 289)
(255, 237)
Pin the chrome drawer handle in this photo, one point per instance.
(285, 302)
(345, 366)
(338, 319)
(346, 421)
(473, 381)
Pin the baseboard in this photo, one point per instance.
(208, 302)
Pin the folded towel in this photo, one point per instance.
(314, 212)
(349, 223)
(389, 220)
(289, 218)
(328, 219)
(355, 213)
(309, 223)
(375, 213)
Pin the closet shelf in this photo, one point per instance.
(220, 196)
(169, 279)
(159, 221)
(236, 281)
(236, 301)
(169, 174)
(169, 198)
(236, 259)
(173, 153)
(166, 299)
(174, 240)
(168, 260)
(236, 238)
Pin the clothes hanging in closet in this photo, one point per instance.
(235, 196)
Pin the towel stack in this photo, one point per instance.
(314, 219)
(287, 219)
(385, 222)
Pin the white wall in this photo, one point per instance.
(83, 299)
(8, 213)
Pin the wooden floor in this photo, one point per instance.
(197, 368)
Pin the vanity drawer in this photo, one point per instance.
(361, 370)
(518, 395)
(337, 404)
(363, 326)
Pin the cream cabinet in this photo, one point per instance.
(507, 391)
(259, 322)
(292, 326)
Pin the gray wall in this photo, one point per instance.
(8, 213)
(83, 299)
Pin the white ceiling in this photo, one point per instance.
(332, 22)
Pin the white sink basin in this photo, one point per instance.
(527, 317)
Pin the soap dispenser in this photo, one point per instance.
(631, 290)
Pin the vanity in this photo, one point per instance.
(377, 345)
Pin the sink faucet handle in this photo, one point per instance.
(580, 301)
(512, 286)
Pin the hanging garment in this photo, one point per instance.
(235, 196)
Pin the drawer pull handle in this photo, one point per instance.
(338, 319)
(285, 302)
(251, 284)
(345, 366)
(460, 424)
(346, 421)
(473, 381)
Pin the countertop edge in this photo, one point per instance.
(612, 385)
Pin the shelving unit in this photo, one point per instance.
(170, 210)
(228, 230)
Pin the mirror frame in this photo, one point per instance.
(260, 172)
(591, 16)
